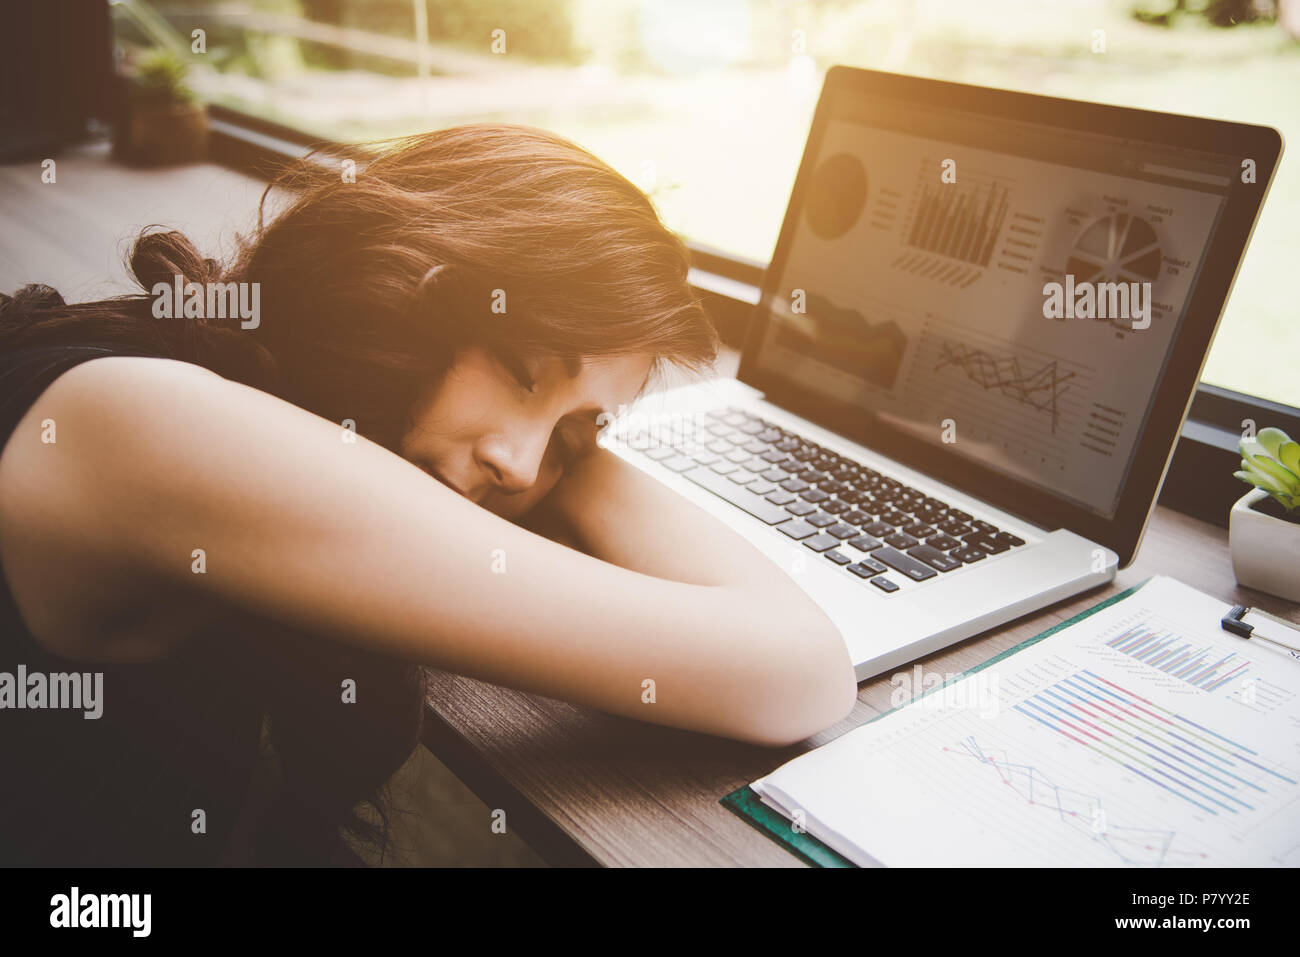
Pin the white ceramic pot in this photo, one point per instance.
(1265, 549)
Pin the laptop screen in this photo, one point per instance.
(1008, 291)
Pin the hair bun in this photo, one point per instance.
(30, 298)
(162, 256)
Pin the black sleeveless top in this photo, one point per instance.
(174, 737)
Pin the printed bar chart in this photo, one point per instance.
(1209, 770)
(1203, 667)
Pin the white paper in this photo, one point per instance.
(1142, 736)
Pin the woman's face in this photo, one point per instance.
(501, 436)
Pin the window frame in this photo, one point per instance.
(1199, 480)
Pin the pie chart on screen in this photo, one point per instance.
(836, 196)
(1116, 248)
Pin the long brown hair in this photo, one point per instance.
(496, 235)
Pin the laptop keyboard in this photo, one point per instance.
(875, 527)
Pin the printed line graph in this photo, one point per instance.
(1026, 794)
(1083, 812)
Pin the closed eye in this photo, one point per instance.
(519, 370)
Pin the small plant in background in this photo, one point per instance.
(1271, 461)
(159, 80)
(161, 119)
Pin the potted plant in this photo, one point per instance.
(163, 121)
(1264, 524)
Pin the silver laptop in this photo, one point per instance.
(975, 346)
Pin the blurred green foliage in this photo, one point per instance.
(159, 79)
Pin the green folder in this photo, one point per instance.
(745, 802)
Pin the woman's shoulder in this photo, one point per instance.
(26, 372)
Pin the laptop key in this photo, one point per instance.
(705, 458)
(837, 556)
(797, 530)
(917, 571)
(801, 508)
(722, 468)
(780, 497)
(918, 530)
(934, 558)
(969, 553)
(840, 530)
(776, 475)
(900, 540)
(884, 584)
(879, 529)
(942, 542)
(721, 486)
(795, 485)
(1006, 538)
(821, 542)
(857, 517)
(740, 476)
(683, 463)
(737, 456)
(821, 519)
(760, 487)
(773, 456)
(953, 527)
(814, 495)
(981, 540)
(865, 543)
(660, 453)
(834, 506)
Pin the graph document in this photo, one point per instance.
(1141, 736)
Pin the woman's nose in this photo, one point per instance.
(514, 464)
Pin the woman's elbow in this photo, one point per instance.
(803, 694)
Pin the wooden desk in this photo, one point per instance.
(587, 788)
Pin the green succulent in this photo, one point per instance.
(1271, 461)
(160, 77)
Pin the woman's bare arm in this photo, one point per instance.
(618, 513)
(155, 459)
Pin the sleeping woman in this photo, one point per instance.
(271, 526)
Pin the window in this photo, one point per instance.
(706, 104)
